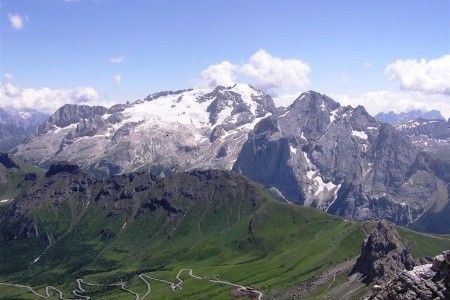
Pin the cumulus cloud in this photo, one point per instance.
(273, 73)
(219, 74)
(48, 100)
(385, 101)
(17, 21)
(431, 76)
(269, 74)
(117, 79)
(117, 60)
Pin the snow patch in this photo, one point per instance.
(360, 134)
(333, 115)
(322, 186)
(5, 200)
(302, 136)
(293, 150)
(310, 174)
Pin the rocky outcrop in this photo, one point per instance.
(62, 167)
(70, 114)
(424, 282)
(383, 256)
(7, 162)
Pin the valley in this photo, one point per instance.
(137, 236)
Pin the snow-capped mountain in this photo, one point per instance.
(314, 152)
(182, 130)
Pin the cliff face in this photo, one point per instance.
(430, 281)
(383, 256)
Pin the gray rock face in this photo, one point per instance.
(341, 160)
(71, 114)
(383, 256)
(425, 282)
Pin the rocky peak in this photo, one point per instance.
(242, 99)
(62, 167)
(383, 255)
(312, 101)
(70, 114)
(425, 282)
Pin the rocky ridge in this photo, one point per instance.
(425, 282)
(383, 255)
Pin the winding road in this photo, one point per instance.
(145, 278)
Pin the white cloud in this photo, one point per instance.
(220, 74)
(385, 101)
(285, 99)
(48, 100)
(17, 21)
(117, 79)
(8, 77)
(117, 60)
(273, 74)
(270, 74)
(367, 64)
(431, 76)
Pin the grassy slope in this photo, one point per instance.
(15, 179)
(235, 230)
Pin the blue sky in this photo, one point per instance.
(381, 54)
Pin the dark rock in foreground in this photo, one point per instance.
(383, 256)
(430, 281)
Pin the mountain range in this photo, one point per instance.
(17, 124)
(314, 152)
(396, 118)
